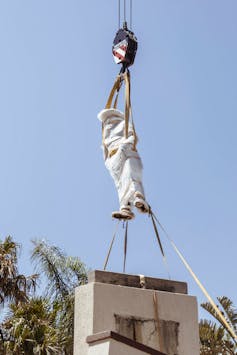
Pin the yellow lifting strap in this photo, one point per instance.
(127, 103)
(128, 109)
(222, 318)
(116, 87)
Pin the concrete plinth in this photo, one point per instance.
(160, 316)
(112, 343)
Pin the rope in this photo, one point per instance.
(111, 246)
(198, 282)
(131, 13)
(157, 235)
(159, 242)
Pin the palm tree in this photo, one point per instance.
(44, 325)
(14, 287)
(216, 339)
(32, 329)
(63, 274)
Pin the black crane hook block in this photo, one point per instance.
(124, 47)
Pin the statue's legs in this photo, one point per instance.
(126, 170)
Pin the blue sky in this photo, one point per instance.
(56, 71)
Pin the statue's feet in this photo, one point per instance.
(140, 203)
(125, 214)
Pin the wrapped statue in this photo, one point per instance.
(123, 162)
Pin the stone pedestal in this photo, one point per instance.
(118, 314)
(112, 343)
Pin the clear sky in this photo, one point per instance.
(56, 70)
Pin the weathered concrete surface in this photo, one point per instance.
(144, 330)
(100, 348)
(150, 283)
(118, 344)
(112, 347)
(100, 307)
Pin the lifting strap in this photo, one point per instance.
(127, 103)
(111, 246)
(123, 77)
(128, 109)
(231, 331)
(112, 243)
(151, 214)
(116, 87)
(157, 234)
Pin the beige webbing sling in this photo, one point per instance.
(128, 109)
(111, 102)
(221, 316)
(116, 87)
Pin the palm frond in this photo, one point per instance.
(213, 339)
(50, 260)
(14, 287)
(230, 310)
(32, 329)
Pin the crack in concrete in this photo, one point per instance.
(144, 330)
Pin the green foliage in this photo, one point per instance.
(32, 328)
(215, 337)
(14, 287)
(62, 272)
(41, 325)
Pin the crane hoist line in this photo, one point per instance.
(122, 159)
(125, 42)
(119, 138)
(124, 51)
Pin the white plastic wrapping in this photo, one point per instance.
(122, 161)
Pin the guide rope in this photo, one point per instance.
(198, 282)
(151, 214)
(111, 246)
(184, 261)
(112, 243)
(126, 242)
(124, 52)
